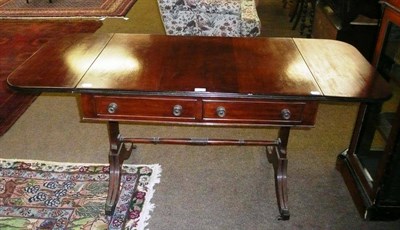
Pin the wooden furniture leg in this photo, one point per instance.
(118, 153)
(298, 13)
(278, 158)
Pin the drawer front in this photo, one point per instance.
(259, 112)
(216, 111)
(146, 108)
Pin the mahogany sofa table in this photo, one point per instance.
(202, 81)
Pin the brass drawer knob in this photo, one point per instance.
(221, 112)
(112, 107)
(177, 110)
(285, 113)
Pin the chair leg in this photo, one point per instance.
(311, 18)
(295, 11)
(298, 14)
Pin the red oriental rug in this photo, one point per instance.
(18, 41)
(65, 8)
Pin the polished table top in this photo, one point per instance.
(207, 66)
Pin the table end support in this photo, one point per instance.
(277, 157)
(119, 151)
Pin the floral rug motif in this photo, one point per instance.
(49, 195)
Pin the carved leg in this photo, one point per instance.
(277, 157)
(303, 17)
(298, 13)
(118, 153)
(311, 18)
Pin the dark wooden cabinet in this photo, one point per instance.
(361, 32)
(372, 170)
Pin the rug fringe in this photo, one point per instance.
(66, 163)
(148, 206)
(51, 162)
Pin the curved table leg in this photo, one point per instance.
(281, 188)
(118, 153)
(277, 157)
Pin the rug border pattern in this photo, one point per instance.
(147, 183)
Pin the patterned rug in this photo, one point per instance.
(49, 195)
(65, 8)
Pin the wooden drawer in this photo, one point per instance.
(198, 110)
(143, 108)
(259, 112)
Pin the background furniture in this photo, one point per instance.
(372, 171)
(302, 11)
(228, 18)
(330, 22)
